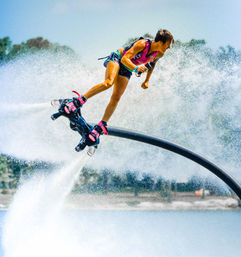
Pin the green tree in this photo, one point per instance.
(132, 182)
(103, 180)
(5, 48)
(116, 182)
(147, 182)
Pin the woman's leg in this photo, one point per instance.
(111, 73)
(118, 90)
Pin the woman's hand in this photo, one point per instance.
(142, 69)
(144, 85)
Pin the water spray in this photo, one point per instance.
(36, 207)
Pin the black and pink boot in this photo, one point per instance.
(73, 104)
(99, 129)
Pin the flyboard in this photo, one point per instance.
(77, 123)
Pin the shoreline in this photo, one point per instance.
(142, 202)
(149, 201)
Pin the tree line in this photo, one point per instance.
(14, 171)
(9, 51)
(104, 181)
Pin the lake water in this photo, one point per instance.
(133, 233)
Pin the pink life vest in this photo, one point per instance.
(141, 57)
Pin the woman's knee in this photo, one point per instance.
(108, 83)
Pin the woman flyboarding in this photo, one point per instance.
(119, 67)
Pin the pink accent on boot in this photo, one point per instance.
(72, 107)
(66, 110)
(81, 100)
(94, 135)
(103, 128)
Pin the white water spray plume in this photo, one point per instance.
(33, 226)
(193, 99)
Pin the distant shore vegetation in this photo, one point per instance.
(9, 51)
(14, 171)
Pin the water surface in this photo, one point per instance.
(142, 233)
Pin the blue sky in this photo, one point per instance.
(94, 28)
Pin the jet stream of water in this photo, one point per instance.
(32, 219)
